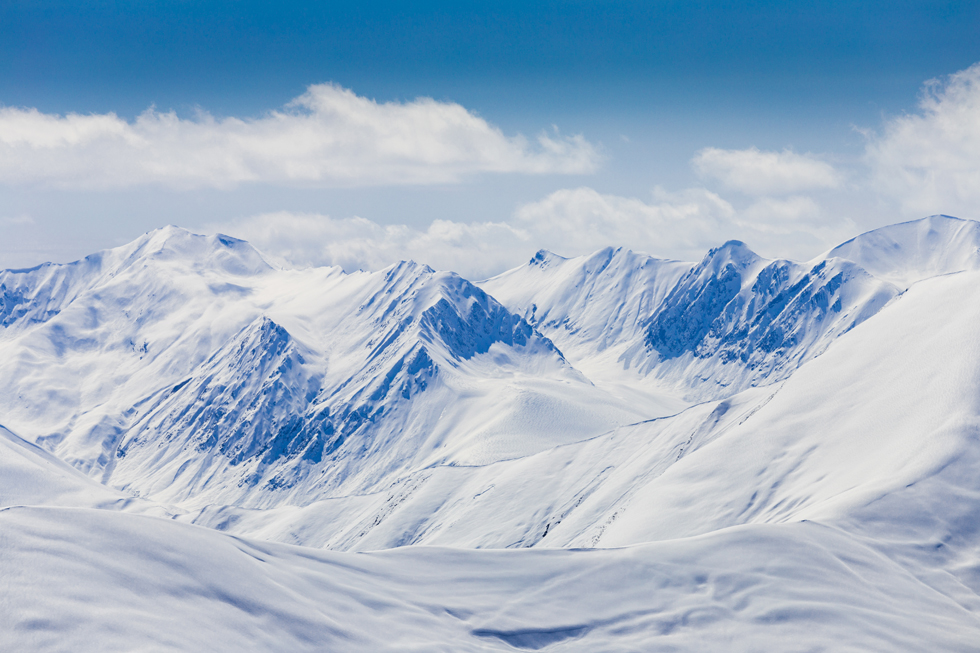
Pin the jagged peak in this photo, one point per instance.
(262, 332)
(544, 258)
(406, 266)
(625, 255)
(733, 252)
(733, 247)
(150, 239)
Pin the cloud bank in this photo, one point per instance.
(755, 172)
(327, 137)
(782, 203)
(569, 222)
(930, 161)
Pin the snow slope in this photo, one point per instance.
(828, 498)
(31, 476)
(905, 253)
(184, 368)
(878, 436)
(88, 580)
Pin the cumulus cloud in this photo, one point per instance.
(756, 172)
(326, 137)
(569, 222)
(581, 220)
(475, 250)
(930, 161)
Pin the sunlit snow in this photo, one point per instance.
(202, 451)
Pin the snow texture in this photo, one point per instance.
(209, 453)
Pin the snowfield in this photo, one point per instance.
(201, 451)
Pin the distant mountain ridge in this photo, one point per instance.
(733, 320)
(908, 252)
(736, 453)
(186, 368)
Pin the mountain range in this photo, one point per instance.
(611, 452)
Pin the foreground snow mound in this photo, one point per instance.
(87, 580)
(31, 476)
(184, 368)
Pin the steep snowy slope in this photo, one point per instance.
(696, 332)
(911, 251)
(875, 445)
(888, 416)
(595, 309)
(31, 476)
(833, 504)
(890, 408)
(185, 368)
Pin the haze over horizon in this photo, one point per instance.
(469, 137)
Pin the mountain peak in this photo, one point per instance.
(543, 258)
(217, 251)
(909, 252)
(733, 251)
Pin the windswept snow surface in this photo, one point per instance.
(823, 495)
(912, 251)
(89, 580)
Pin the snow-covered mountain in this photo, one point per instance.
(698, 331)
(784, 456)
(912, 251)
(185, 368)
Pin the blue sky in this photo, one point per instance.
(646, 85)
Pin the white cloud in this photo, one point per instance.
(16, 220)
(581, 220)
(475, 250)
(326, 137)
(930, 161)
(756, 172)
(680, 225)
(782, 211)
(569, 222)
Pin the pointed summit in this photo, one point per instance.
(543, 258)
(733, 252)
